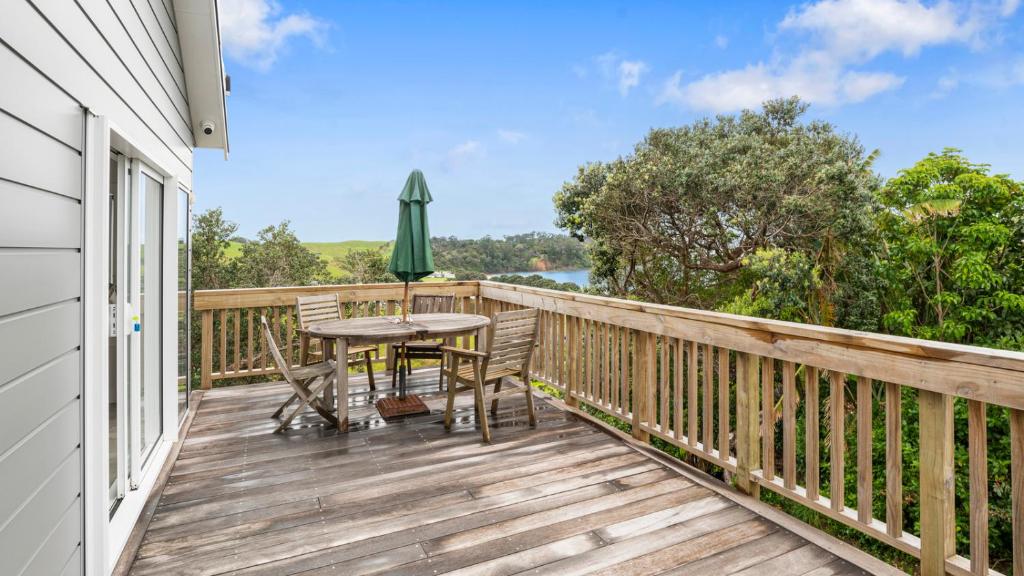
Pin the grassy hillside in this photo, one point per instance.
(328, 251)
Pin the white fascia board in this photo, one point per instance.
(199, 36)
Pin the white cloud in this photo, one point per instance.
(722, 41)
(857, 30)
(842, 36)
(614, 68)
(1008, 7)
(463, 153)
(630, 72)
(511, 136)
(255, 31)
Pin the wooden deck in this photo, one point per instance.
(409, 498)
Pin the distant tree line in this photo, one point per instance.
(533, 251)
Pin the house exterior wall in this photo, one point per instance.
(75, 79)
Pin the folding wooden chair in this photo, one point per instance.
(313, 309)
(425, 349)
(510, 342)
(307, 382)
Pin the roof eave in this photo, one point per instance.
(199, 36)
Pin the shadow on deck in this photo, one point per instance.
(409, 498)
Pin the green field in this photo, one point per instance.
(328, 251)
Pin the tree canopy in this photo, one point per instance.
(674, 221)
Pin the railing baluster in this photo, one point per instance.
(812, 417)
(1017, 487)
(223, 352)
(837, 455)
(638, 385)
(677, 389)
(893, 460)
(768, 418)
(664, 390)
(977, 445)
(624, 369)
(936, 445)
(864, 471)
(708, 365)
(650, 373)
(691, 393)
(236, 342)
(613, 377)
(206, 354)
(747, 422)
(723, 404)
(290, 358)
(248, 339)
(789, 425)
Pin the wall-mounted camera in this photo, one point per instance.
(208, 127)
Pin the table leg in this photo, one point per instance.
(341, 382)
(328, 353)
(481, 339)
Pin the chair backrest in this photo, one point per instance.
(512, 336)
(433, 304)
(313, 309)
(283, 366)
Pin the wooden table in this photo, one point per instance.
(385, 330)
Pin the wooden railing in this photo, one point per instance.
(232, 345)
(722, 387)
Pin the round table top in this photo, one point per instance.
(391, 328)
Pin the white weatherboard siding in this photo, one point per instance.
(63, 64)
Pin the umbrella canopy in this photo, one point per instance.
(411, 258)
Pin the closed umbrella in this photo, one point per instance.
(411, 258)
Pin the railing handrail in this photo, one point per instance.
(973, 372)
(230, 298)
(980, 355)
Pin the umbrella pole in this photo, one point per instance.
(404, 366)
(405, 304)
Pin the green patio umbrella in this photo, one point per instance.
(411, 258)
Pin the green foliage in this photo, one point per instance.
(210, 241)
(952, 258)
(363, 266)
(532, 251)
(277, 258)
(673, 222)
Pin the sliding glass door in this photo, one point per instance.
(135, 399)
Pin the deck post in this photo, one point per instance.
(747, 423)
(206, 345)
(937, 496)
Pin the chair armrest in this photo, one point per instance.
(463, 352)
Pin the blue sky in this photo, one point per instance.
(334, 103)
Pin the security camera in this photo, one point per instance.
(208, 127)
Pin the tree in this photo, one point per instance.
(277, 258)
(952, 261)
(210, 239)
(364, 266)
(675, 221)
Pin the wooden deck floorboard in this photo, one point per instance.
(409, 498)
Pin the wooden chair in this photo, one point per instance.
(307, 382)
(511, 338)
(423, 350)
(313, 309)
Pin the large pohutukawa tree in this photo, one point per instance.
(675, 221)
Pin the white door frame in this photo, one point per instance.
(105, 537)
